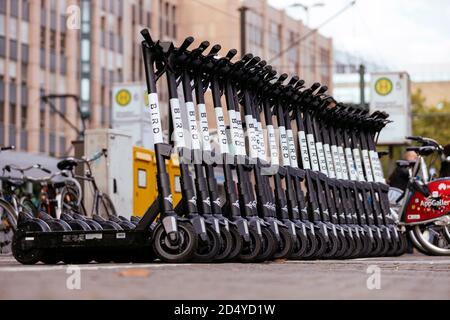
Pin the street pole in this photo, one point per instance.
(362, 86)
(243, 11)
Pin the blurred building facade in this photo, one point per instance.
(268, 32)
(40, 55)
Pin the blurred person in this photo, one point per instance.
(445, 162)
(399, 178)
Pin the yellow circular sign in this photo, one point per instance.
(383, 86)
(123, 97)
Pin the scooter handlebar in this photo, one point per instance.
(187, 42)
(146, 35)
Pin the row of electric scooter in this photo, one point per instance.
(302, 176)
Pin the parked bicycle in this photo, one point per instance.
(423, 209)
(73, 195)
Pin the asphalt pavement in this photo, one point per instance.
(407, 277)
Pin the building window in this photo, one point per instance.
(23, 139)
(42, 58)
(2, 6)
(12, 135)
(2, 25)
(2, 47)
(25, 53)
(14, 8)
(12, 114)
(24, 118)
(62, 146)
(274, 37)
(13, 49)
(41, 141)
(25, 10)
(62, 46)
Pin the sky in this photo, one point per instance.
(411, 35)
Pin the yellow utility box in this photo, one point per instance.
(144, 179)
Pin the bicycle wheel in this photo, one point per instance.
(8, 226)
(71, 199)
(433, 239)
(106, 208)
(28, 206)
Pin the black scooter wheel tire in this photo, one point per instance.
(269, 245)
(226, 245)
(251, 249)
(285, 245)
(208, 250)
(312, 245)
(237, 243)
(180, 252)
(345, 247)
(300, 246)
(321, 245)
(333, 245)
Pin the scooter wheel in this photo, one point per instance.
(33, 255)
(333, 245)
(285, 245)
(345, 247)
(403, 244)
(269, 245)
(53, 256)
(208, 250)
(44, 216)
(181, 249)
(79, 225)
(300, 246)
(321, 245)
(135, 220)
(226, 245)
(377, 245)
(367, 244)
(237, 243)
(358, 245)
(348, 246)
(312, 246)
(251, 249)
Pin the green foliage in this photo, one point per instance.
(430, 121)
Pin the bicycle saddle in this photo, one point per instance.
(67, 164)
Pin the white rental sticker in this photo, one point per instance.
(336, 161)
(221, 130)
(274, 156)
(312, 152)
(367, 167)
(155, 118)
(304, 150)
(177, 123)
(292, 151)
(195, 137)
(252, 138)
(358, 163)
(329, 159)
(204, 128)
(284, 146)
(351, 165)
(343, 162)
(321, 155)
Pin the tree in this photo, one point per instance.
(430, 121)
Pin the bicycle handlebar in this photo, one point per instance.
(10, 167)
(7, 148)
